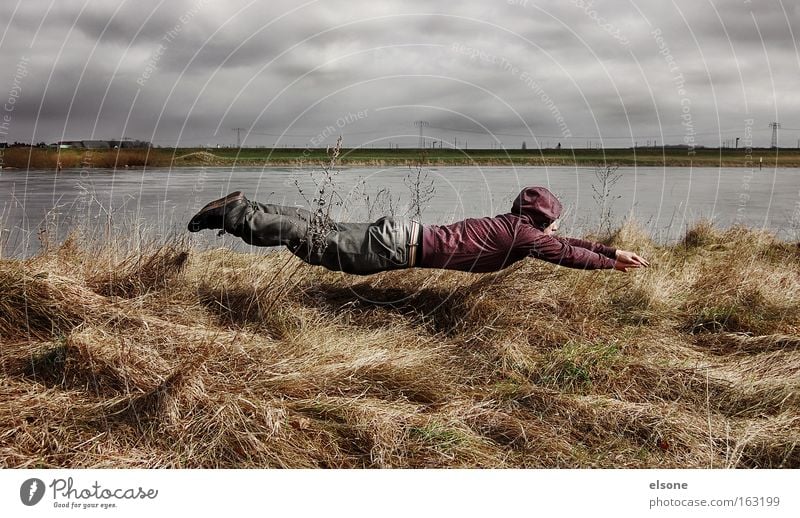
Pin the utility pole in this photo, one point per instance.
(774, 126)
(238, 137)
(421, 125)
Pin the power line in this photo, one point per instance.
(297, 135)
(501, 134)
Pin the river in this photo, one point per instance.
(157, 203)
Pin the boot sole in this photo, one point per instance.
(194, 223)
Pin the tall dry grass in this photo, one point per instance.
(45, 158)
(164, 356)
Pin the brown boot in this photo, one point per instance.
(212, 216)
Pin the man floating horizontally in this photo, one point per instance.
(474, 245)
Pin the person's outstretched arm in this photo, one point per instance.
(627, 258)
(599, 248)
(592, 256)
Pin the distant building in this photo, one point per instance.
(681, 146)
(96, 144)
(128, 144)
(68, 144)
(102, 144)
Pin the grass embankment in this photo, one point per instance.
(23, 158)
(178, 358)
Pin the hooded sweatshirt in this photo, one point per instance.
(491, 244)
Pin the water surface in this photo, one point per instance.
(158, 202)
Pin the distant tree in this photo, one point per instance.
(524, 145)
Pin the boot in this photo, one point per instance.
(215, 214)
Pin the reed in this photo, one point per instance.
(167, 356)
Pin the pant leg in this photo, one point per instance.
(366, 248)
(294, 212)
(268, 225)
(356, 248)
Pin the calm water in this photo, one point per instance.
(157, 203)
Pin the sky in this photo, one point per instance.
(499, 73)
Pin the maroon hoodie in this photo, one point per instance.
(491, 244)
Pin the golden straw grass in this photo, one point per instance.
(165, 356)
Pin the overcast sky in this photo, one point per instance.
(483, 72)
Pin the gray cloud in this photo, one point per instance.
(179, 71)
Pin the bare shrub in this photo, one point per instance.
(603, 195)
(422, 190)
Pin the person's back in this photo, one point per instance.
(474, 244)
(491, 244)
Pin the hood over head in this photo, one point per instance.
(538, 205)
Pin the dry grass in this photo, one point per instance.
(45, 158)
(170, 357)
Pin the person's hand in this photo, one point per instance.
(626, 259)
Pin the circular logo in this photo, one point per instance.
(31, 491)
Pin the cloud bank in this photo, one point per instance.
(483, 74)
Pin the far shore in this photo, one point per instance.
(23, 158)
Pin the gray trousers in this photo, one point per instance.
(357, 248)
